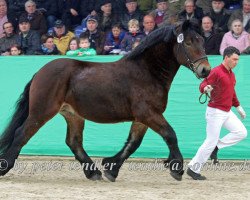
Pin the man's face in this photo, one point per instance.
(189, 7)
(106, 8)
(148, 23)
(246, 7)
(3, 8)
(207, 24)
(91, 25)
(232, 61)
(59, 30)
(30, 8)
(131, 6)
(24, 27)
(217, 6)
(8, 28)
(162, 6)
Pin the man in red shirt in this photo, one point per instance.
(220, 82)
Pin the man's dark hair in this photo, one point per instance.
(230, 51)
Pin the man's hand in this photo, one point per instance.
(241, 112)
(208, 89)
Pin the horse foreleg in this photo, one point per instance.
(74, 140)
(158, 123)
(113, 164)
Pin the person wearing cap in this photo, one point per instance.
(243, 14)
(28, 40)
(162, 15)
(35, 17)
(219, 15)
(96, 36)
(132, 12)
(61, 36)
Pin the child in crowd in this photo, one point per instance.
(113, 41)
(48, 47)
(73, 46)
(84, 49)
(131, 37)
(15, 50)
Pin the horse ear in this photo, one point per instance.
(186, 25)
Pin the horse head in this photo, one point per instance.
(189, 48)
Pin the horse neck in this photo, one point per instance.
(162, 63)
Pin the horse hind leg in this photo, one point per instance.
(74, 139)
(113, 164)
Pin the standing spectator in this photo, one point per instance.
(15, 50)
(148, 24)
(106, 16)
(211, 38)
(219, 15)
(48, 47)
(133, 36)
(9, 39)
(113, 40)
(236, 37)
(96, 37)
(162, 15)
(49, 10)
(61, 36)
(132, 12)
(243, 14)
(70, 12)
(191, 11)
(28, 40)
(36, 18)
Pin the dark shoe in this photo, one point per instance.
(214, 156)
(194, 175)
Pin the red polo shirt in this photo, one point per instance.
(223, 95)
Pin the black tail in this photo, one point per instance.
(18, 118)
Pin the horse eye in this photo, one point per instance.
(188, 43)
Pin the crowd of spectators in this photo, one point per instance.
(102, 27)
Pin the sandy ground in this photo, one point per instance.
(61, 178)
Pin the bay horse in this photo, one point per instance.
(134, 88)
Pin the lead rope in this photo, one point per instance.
(206, 97)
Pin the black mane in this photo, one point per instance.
(161, 34)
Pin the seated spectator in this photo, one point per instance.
(36, 18)
(15, 50)
(211, 38)
(205, 5)
(243, 14)
(236, 37)
(113, 40)
(70, 12)
(134, 35)
(48, 47)
(220, 16)
(191, 11)
(132, 12)
(148, 24)
(61, 36)
(5, 16)
(175, 6)
(9, 39)
(96, 37)
(146, 5)
(162, 15)
(73, 46)
(106, 17)
(49, 9)
(28, 40)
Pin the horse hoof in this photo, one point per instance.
(96, 177)
(176, 176)
(109, 176)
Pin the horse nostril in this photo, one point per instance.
(205, 72)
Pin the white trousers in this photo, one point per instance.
(216, 119)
